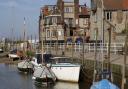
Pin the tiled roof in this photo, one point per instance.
(84, 10)
(116, 4)
(125, 4)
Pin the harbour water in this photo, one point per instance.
(11, 78)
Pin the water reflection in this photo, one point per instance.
(64, 85)
(10, 78)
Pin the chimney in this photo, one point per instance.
(60, 6)
(76, 2)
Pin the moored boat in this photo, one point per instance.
(65, 70)
(42, 73)
(104, 84)
(25, 66)
(61, 67)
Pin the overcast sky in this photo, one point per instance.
(12, 13)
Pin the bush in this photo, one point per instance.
(29, 53)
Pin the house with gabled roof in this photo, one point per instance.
(114, 14)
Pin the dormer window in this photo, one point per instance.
(109, 16)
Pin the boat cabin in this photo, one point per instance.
(61, 60)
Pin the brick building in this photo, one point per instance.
(63, 21)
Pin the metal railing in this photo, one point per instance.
(75, 47)
(88, 47)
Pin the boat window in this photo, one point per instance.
(39, 58)
(13, 51)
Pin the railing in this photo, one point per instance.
(88, 47)
(75, 47)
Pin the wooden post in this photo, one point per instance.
(73, 44)
(95, 61)
(50, 41)
(56, 41)
(109, 44)
(83, 45)
(124, 64)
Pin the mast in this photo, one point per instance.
(12, 26)
(24, 35)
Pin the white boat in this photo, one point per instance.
(64, 70)
(13, 54)
(25, 66)
(1, 50)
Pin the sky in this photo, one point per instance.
(12, 13)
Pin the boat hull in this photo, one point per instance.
(43, 74)
(13, 56)
(26, 70)
(25, 66)
(38, 79)
(66, 72)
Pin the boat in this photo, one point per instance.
(13, 54)
(1, 50)
(104, 84)
(42, 73)
(65, 70)
(61, 67)
(25, 66)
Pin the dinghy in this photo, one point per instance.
(42, 73)
(25, 66)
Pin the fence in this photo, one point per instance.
(75, 47)
(86, 47)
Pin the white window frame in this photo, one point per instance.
(109, 15)
(48, 33)
(68, 9)
(54, 20)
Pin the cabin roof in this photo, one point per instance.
(59, 57)
(115, 4)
